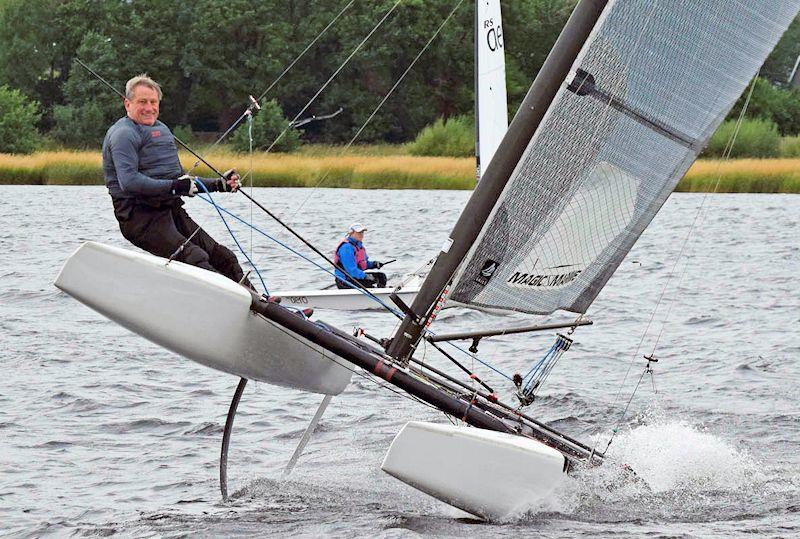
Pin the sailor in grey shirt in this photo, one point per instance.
(146, 182)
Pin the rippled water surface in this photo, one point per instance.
(102, 432)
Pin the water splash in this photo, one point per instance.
(671, 455)
(665, 468)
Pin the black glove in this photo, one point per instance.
(221, 186)
(228, 178)
(378, 265)
(184, 186)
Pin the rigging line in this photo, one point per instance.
(239, 245)
(701, 210)
(284, 72)
(383, 101)
(250, 173)
(333, 76)
(615, 90)
(696, 222)
(294, 251)
(354, 284)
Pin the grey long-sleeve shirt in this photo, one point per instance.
(140, 161)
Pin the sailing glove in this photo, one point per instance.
(184, 186)
(230, 182)
(378, 265)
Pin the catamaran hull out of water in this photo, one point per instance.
(198, 314)
(493, 475)
(215, 322)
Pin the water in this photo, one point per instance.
(103, 433)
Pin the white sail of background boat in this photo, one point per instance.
(627, 98)
(491, 122)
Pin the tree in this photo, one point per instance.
(18, 117)
(781, 106)
(90, 107)
(781, 60)
(268, 124)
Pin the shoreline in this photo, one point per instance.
(371, 169)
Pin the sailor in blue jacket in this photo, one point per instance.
(351, 256)
(146, 182)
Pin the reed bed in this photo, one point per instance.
(743, 176)
(367, 168)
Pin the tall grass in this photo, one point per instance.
(790, 147)
(361, 168)
(268, 170)
(61, 167)
(743, 176)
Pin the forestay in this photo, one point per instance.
(648, 89)
(490, 82)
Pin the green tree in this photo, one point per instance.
(781, 60)
(781, 106)
(31, 59)
(90, 107)
(267, 125)
(18, 117)
(754, 138)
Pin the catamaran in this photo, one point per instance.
(491, 122)
(629, 95)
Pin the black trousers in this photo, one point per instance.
(161, 228)
(379, 282)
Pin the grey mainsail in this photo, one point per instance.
(649, 87)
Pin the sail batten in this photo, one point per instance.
(649, 87)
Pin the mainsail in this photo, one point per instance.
(491, 112)
(648, 89)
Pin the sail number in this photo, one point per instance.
(494, 35)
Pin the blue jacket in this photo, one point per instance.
(347, 258)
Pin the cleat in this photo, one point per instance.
(270, 299)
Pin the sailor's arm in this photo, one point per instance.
(347, 258)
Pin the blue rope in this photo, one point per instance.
(211, 200)
(221, 209)
(479, 360)
(541, 362)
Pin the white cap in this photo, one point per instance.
(357, 227)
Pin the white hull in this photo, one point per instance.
(198, 314)
(345, 299)
(489, 474)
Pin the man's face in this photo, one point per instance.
(359, 236)
(143, 108)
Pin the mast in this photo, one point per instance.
(480, 205)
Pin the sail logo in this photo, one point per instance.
(488, 269)
(535, 280)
